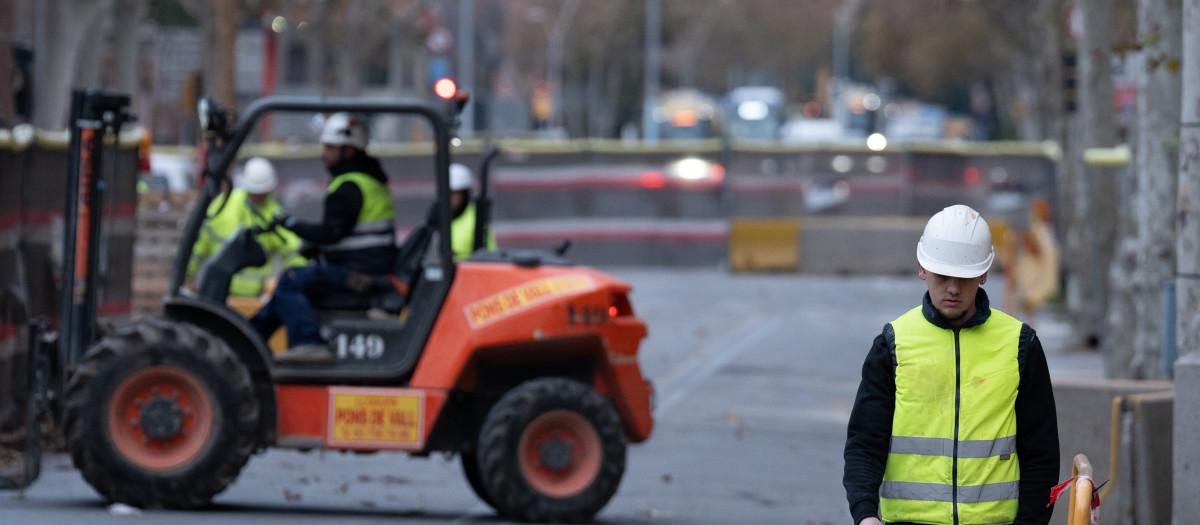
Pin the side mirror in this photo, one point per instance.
(214, 119)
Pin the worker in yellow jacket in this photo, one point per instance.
(251, 204)
(462, 213)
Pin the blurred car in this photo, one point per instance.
(799, 130)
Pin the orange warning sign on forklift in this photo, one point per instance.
(376, 417)
(518, 298)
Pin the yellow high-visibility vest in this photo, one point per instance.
(462, 234)
(279, 244)
(953, 449)
(375, 226)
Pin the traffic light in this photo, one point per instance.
(1069, 72)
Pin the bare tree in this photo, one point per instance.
(1029, 91)
(216, 20)
(127, 20)
(1094, 190)
(1156, 163)
(68, 25)
(1187, 368)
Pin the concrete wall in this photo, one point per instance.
(1142, 487)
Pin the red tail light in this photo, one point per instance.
(717, 173)
(653, 179)
(971, 175)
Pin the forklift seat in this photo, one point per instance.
(386, 292)
(383, 296)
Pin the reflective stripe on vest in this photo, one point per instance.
(952, 457)
(374, 227)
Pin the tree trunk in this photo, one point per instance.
(1095, 188)
(70, 21)
(1188, 214)
(1156, 161)
(125, 32)
(225, 31)
(1186, 506)
(92, 55)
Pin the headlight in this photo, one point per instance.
(695, 169)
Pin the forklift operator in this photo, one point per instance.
(356, 236)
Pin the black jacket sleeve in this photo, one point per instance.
(341, 214)
(870, 428)
(1037, 433)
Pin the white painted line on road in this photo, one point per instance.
(672, 393)
(695, 357)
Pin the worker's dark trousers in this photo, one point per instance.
(290, 306)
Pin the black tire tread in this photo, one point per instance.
(471, 470)
(96, 459)
(498, 460)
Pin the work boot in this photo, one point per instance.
(311, 355)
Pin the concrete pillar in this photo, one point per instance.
(1186, 507)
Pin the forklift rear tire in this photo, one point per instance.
(160, 414)
(552, 450)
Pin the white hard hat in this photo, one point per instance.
(460, 177)
(343, 129)
(258, 176)
(956, 243)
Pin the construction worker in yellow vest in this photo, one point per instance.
(462, 213)
(250, 204)
(954, 421)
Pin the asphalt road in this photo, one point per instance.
(755, 375)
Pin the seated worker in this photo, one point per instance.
(462, 214)
(251, 204)
(356, 236)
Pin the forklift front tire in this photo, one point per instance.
(160, 414)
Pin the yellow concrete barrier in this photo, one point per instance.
(764, 244)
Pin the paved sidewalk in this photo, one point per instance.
(1065, 358)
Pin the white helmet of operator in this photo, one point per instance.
(460, 177)
(957, 243)
(258, 176)
(344, 129)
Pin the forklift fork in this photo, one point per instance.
(37, 403)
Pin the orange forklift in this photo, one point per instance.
(520, 362)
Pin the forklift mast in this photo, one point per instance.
(96, 120)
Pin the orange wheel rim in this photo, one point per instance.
(560, 453)
(160, 418)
